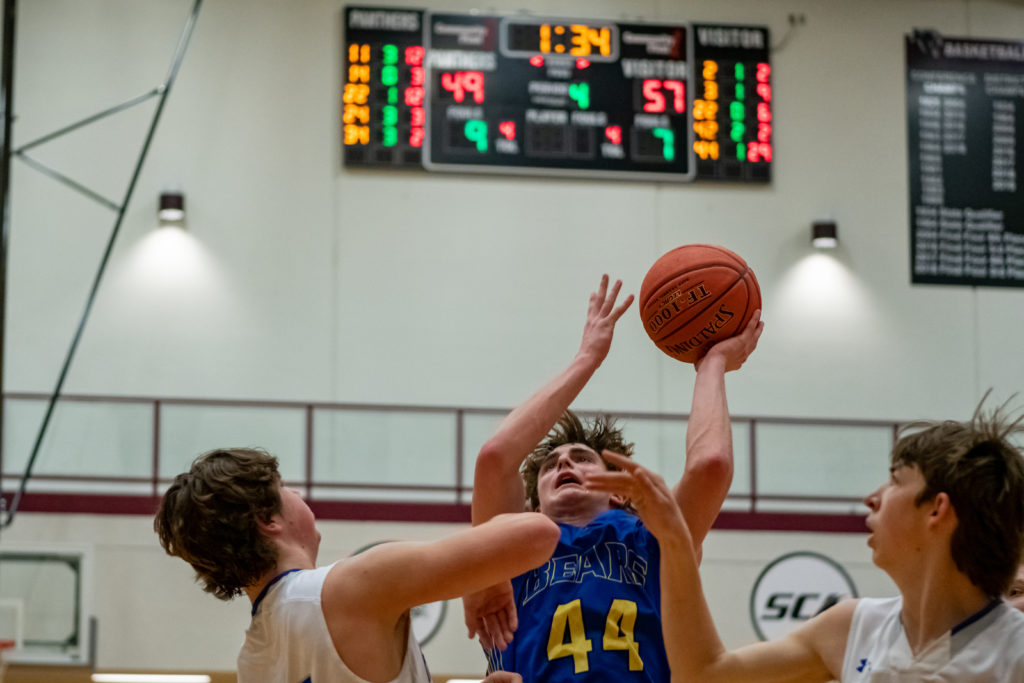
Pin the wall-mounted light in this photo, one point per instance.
(824, 235)
(172, 207)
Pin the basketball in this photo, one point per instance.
(697, 295)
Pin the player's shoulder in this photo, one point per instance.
(876, 604)
(1011, 618)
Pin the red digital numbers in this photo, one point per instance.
(759, 151)
(414, 96)
(415, 93)
(508, 129)
(655, 90)
(764, 113)
(614, 134)
(461, 82)
(414, 55)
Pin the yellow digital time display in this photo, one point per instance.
(596, 42)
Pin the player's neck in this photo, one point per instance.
(937, 602)
(575, 517)
(287, 560)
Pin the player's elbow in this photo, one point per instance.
(712, 469)
(489, 455)
(545, 535)
(493, 460)
(535, 534)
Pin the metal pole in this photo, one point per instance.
(164, 92)
(7, 103)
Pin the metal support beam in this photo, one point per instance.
(163, 91)
(6, 103)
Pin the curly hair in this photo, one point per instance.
(982, 471)
(208, 517)
(599, 434)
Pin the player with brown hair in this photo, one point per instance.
(594, 608)
(243, 532)
(948, 527)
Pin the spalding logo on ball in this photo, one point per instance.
(695, 296)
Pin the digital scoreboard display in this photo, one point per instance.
(732, 109)
(383, 101)
(556, 96)
(965, 107)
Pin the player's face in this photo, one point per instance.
(560, 484)
(895, 520)
(1015, 596)
(298, 520)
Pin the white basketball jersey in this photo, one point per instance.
(987, 648)
(288, 640)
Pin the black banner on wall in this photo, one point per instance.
(965, 118)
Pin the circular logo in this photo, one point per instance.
(794, 588)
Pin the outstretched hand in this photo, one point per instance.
(736, 349)
(503, 677)
(646, 490)
(602, 314)
(491, 615)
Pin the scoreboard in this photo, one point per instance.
(556, 96)
(383, 101)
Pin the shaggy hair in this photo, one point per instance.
(982, 471)
(600, 433)
(209, 518)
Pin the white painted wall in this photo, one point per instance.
(314, 282)
(152, 615)
(303, 280)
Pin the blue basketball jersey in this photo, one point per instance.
(593, 612)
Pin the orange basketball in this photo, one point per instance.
(697, 295)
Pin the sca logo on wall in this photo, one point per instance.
(794, 588)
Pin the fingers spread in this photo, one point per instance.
(609, 300)
(617, 313)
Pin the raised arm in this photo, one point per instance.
(709, 465)
(392, 577)
(365, 598)
(497, 484)
(814, 653)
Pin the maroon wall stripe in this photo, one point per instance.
(365, 511)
